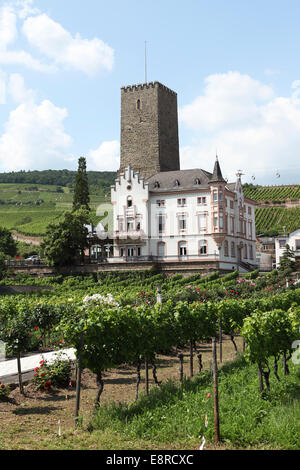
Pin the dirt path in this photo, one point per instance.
(30, 240)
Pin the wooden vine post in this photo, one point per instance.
(191, 358)
(146, 375)
(78, 380)
(221, 338)
(216, 394)
(20, 373)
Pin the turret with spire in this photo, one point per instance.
(217, 173)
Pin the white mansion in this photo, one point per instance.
(183, 216)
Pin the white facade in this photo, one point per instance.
(194, 221)
(291, 239)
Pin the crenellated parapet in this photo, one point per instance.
(143, 86)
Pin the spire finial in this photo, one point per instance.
(145, 61)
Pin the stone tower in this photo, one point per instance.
(149, 129)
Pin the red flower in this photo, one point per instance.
(208, 395)
(2, 386)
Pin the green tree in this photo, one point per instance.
(8, 245)
(288, 258)
(81, 189)
(66, 240)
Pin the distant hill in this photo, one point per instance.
(65, 178)
(30, 200)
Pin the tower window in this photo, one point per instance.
(129, 201)
(138, 104)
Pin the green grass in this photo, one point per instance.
(174, 414)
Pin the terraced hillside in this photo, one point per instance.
(272, 194)
(29, 208)
(277, 219)
(278, 208)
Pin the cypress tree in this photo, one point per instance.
(81, 189)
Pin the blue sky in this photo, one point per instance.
(233, 63)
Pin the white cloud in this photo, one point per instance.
(2, 87)
(34, 136)
(106, 157)
(51, 39)
(8, 35)
(8, 27)
(25, 8)
(17, 90)
(228, 99)
(252, 129)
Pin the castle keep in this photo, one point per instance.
(149, 129)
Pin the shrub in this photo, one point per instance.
(54, 374)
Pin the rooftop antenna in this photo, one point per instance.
(145, 61)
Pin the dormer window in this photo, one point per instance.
(156, 184)
(197, 181)
(176, 183)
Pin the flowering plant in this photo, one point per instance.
(56, 373)
(4, 391)
(145, 298)
(98, 299)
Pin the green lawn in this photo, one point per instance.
(174, 414)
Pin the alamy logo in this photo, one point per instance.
(296, 353)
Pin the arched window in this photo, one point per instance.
(156, 184)
(182, 248)
(138, 104)
(203, 247)
(129, 201)
(197, 181)
(176, 183)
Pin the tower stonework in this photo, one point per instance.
(149, 129)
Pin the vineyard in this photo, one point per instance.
(276, 218)
(29, 209)
(117, 319)
(275, 194)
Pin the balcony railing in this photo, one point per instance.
(175, 258)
